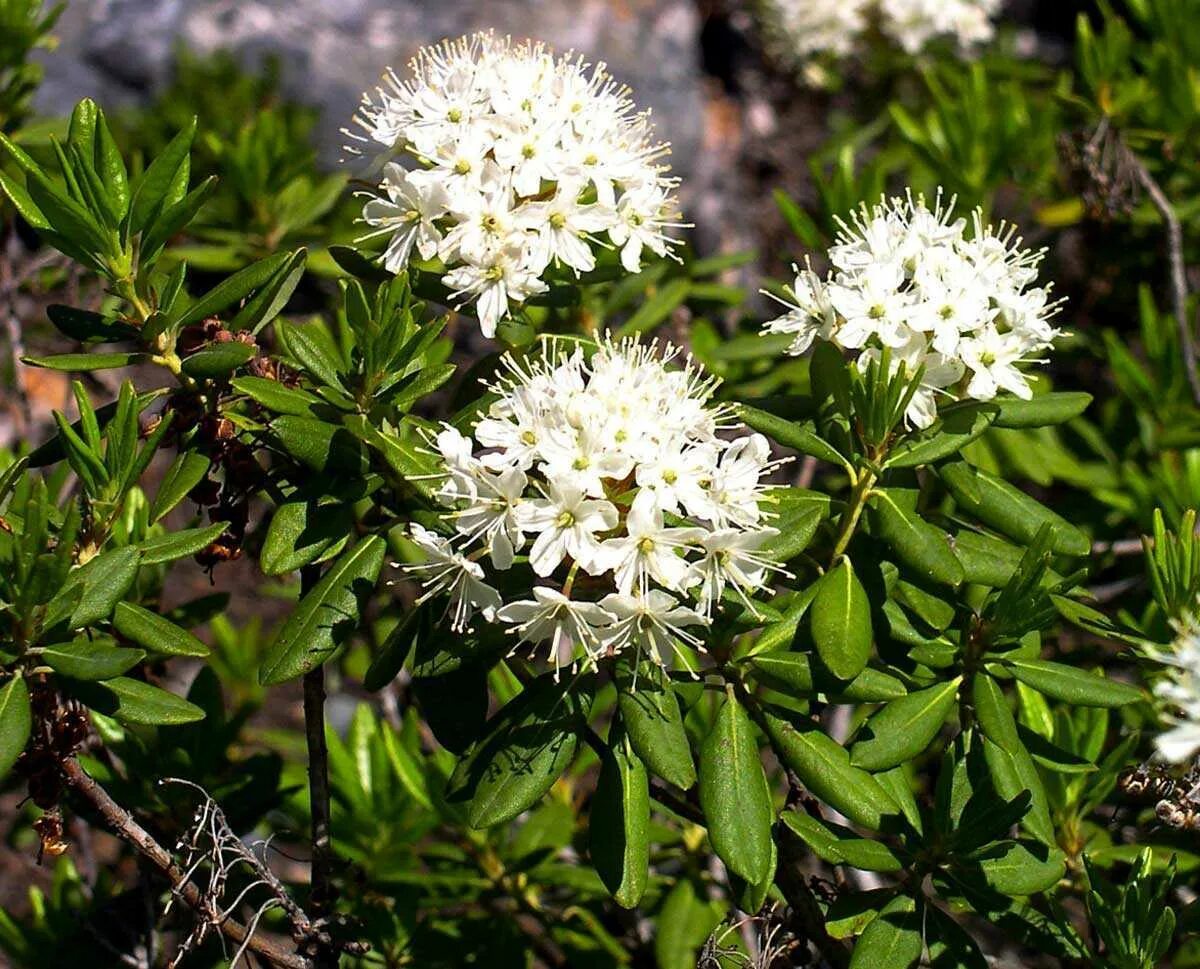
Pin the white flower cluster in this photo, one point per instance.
(801, 30)
(960, 306)
(505, 161)
(611, 478)
(1179, 692)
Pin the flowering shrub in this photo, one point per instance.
(825, 640)
(517, 162)
(574, 461)
(908, 282)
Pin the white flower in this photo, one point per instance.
(596, 456)
(408, 212)
(564, 622)
(652, 624)
(648, 549)
(914, 23)
(517, 162)
(950, 297)
(731, 555)
(566, 522)
(800, 29)
(495, 278)
(1179, 693)
(446, 571)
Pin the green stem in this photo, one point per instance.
(852, 514)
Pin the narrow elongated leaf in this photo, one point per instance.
(325, 618)
(958, 426)
(320, 446)
(1009, 510)
(238, 286)
(650, 713)
(841, 622)
(1072, 685)
(274, 396)
(992, 711)
(152, 187)
(824, 767)
(302, 532)
(893, 940)
(1012, 773)
(416, 626)
(218, 360)
(16, 721)
(793, 673)
(905, 727)
(527, 746)
(917, 544)
(407, 768)
(132, 701)
(800, 435)
(177, 545)
(154, 632)
(86, 362)
(1053, 408)
(1020, 869)
(186, 471)
(86, 659)
(86, 326)
(619, 823)
(839, 845)
(270, 300)
(92, 591)
(734, 794)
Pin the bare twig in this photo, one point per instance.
(122, 823)
(1179, 288)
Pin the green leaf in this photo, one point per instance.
(132, 701)
(619, 823)
(905, 727)
(302, 532)
(151, 188)
(86, 326)
(657, 308)
(992, 711)
(734, 794)
(793, 674)
(839, 845)
(327, 616)
(841, 622)
(1017, 870)
(958, 425)
(16, 722)
(917, 544)
(154, 632)
(1012, 773)
(275, 397)
(186, 471)
(824, 767)
(178, 545)
(94, 589)
(408, 769)
(1009, 510)
(238, 286)
(528, 745)
(415, 627)
(684, 923)
(650, 713)
(800, 435)
(1052, 408)
(110, 168)
(271, 298)
(893, 940)
(86, 659)
(218, 359)
(86, 362)
(314, 349)
(1072, 685)
(320, 446)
